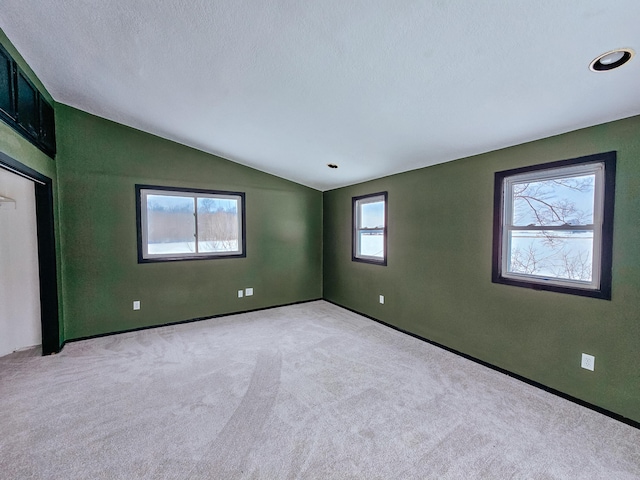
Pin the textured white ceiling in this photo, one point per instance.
(378, 87)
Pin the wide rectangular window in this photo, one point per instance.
(181, 224)
(370, 228)
(553, 226)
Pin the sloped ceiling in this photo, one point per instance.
(377, 87)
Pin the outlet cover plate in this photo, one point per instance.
(588, 361)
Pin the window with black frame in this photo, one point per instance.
(184, 224)
(553, 226)
(370, 228)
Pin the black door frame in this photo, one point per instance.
(47, 267)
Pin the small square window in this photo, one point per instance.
(553, 226)
(175, 224)
(370, 228)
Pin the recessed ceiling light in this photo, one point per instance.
(611, 60)
(332, 165)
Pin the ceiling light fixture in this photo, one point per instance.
(610, 60)
(332, 165)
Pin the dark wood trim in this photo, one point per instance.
(533, 383)
(47, 134)
(354, 229)
(190, 320)
(22, 170)
(139, 223)
(141, 259)
(47, 266)
(606, 256)
(604, 292)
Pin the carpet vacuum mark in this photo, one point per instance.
(309, 391)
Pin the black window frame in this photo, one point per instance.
(354, 229)
(139, 188)
(603, 291)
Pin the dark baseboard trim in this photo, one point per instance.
(180, 322)
(526, 380)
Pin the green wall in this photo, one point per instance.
(100, 162)
(437, 283)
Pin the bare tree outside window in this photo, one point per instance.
(553, 226)
(217, 225)
(560, 202)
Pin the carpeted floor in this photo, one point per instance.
(305, 391)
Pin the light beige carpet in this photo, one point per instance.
(305, 391)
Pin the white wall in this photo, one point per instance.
(19, 287)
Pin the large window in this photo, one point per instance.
(180, 224)
(370, 228)
(553, 226)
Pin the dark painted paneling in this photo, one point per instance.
(47, 127)
(28, 111)
(7, 108)
(23, 107)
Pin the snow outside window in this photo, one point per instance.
(370, 228)
(187, 224)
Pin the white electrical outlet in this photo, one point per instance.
(240, 293)
(248, 292)
(588, 361)
(382, 299)
(136, 304)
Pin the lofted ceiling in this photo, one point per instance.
(376, 87)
